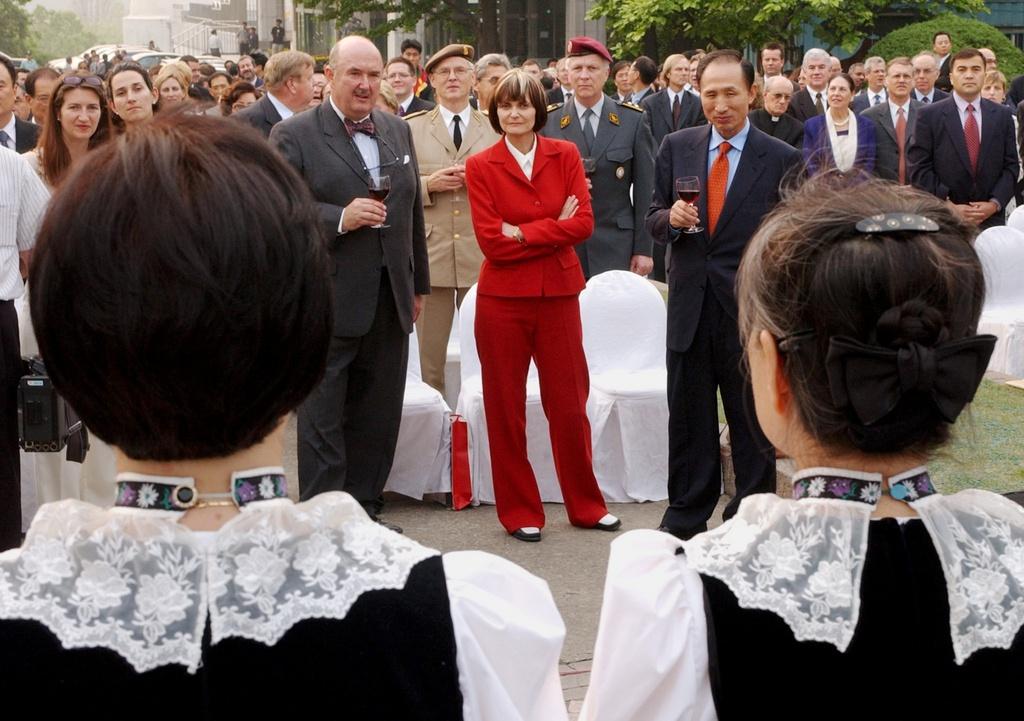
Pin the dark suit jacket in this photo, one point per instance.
(26, 135)
(658, 114)
(940, 164)
(802, 105)
(261, 115)
(698, 260)
(943, 82)
(545, 265)
(418, 104)
(937, 95)
(862, 100)
(317, 145)
(788, 129)
(818, 155)
(555, 95)
(887, 152)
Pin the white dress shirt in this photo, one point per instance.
(894, 109)
(449, 117)
(369, 151)
(581, 108)
(283, 110)
(814, 96)
(961, 106)
(23, 199)
(525, 160)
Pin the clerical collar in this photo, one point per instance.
(168, 493)
(859, 487)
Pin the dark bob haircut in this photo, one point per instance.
(176, 327)
(518, 85)
(729, 56)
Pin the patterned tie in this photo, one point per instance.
(5, 140)
(718, 184)
(972, 138)
(925, 99)
(677, 108)
(901, 144)
(401, 111)
(363, 126)
(819, 106)
(457, 132)
(588, 130)
(878, 99)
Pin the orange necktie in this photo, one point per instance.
(718, 184)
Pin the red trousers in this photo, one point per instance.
(509, 332)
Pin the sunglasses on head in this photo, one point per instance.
(75, 80)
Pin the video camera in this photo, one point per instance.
(46, 423)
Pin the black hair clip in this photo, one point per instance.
(897, 222)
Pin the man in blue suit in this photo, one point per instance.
(964, 147)
(740, 169)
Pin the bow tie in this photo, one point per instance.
(363, 126)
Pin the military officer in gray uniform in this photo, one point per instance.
(613, 135)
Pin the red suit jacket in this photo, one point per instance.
(546, 264)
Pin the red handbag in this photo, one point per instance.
(462, 484)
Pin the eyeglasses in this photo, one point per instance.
(75, 80)
(460, 73)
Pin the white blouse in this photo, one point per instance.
(844, 147)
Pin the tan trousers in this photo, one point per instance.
(433, 328)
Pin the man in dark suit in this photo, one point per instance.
(942, 47)
(618, 140)
(926, 72)
(401, 75)
(348, 427)
(705, 351)
(15, 133)
(894, 122)
(874, 94)
(964, 147)
(813, 99)
(563, 92)
(773, 118)
(644, 73)
(289, 82)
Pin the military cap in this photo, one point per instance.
(456, 50)
(583, 45)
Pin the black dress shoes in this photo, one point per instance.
(684, 535)
(608, 525)
(389, 526)
(530, 536)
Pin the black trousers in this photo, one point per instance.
(10, 463)
(348, 426)
(694, 460)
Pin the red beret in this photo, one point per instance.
(583, 45)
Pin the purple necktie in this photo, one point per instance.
(363, 126)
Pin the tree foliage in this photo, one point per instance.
(14, 33)
(964, 32)
(728, 23)
(58, 34)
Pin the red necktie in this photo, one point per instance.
(972, 137)
(676, 110)
(901, 144)
(718, 184)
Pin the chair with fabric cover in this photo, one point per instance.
(423, 455)
(1016, 219)
(1001, 250)
(624, 320)
(453, 365)
(471, 407)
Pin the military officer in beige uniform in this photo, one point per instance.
(444, 137)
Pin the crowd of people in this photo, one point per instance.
(815, 233)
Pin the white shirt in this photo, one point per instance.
(672, 95)
(882, 95)
(814, 96)
(23, 199)
(525, 160)
(581, 108)
(369, 151)
(894, 109)
(690, 89)
(961, 106)
(449, 120)
(283, 110)
(9, 129)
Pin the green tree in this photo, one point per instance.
(637, 25)
(14, 33)
(912, 39)
(57, 34)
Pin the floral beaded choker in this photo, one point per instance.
(166, 493)
(866, 488)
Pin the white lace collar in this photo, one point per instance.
(138, 583)
(803, 560)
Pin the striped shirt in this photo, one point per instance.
(23, 199)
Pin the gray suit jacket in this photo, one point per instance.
(887, 154)
(261, 115)
(624, 150)
(318, 146)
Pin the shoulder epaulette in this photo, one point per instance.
(555, 106)
(631, 106)
(415, 115)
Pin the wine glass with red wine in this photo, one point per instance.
(688, 190)
(379, 190)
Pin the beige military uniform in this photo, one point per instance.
(454, 254)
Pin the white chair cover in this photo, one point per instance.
(453, 366)
(423, 455)
(1001, 250)
(471, 407)
(624, 322)
(1016, 219)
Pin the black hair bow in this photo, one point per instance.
(872, 379)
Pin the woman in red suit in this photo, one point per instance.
(530, 206)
